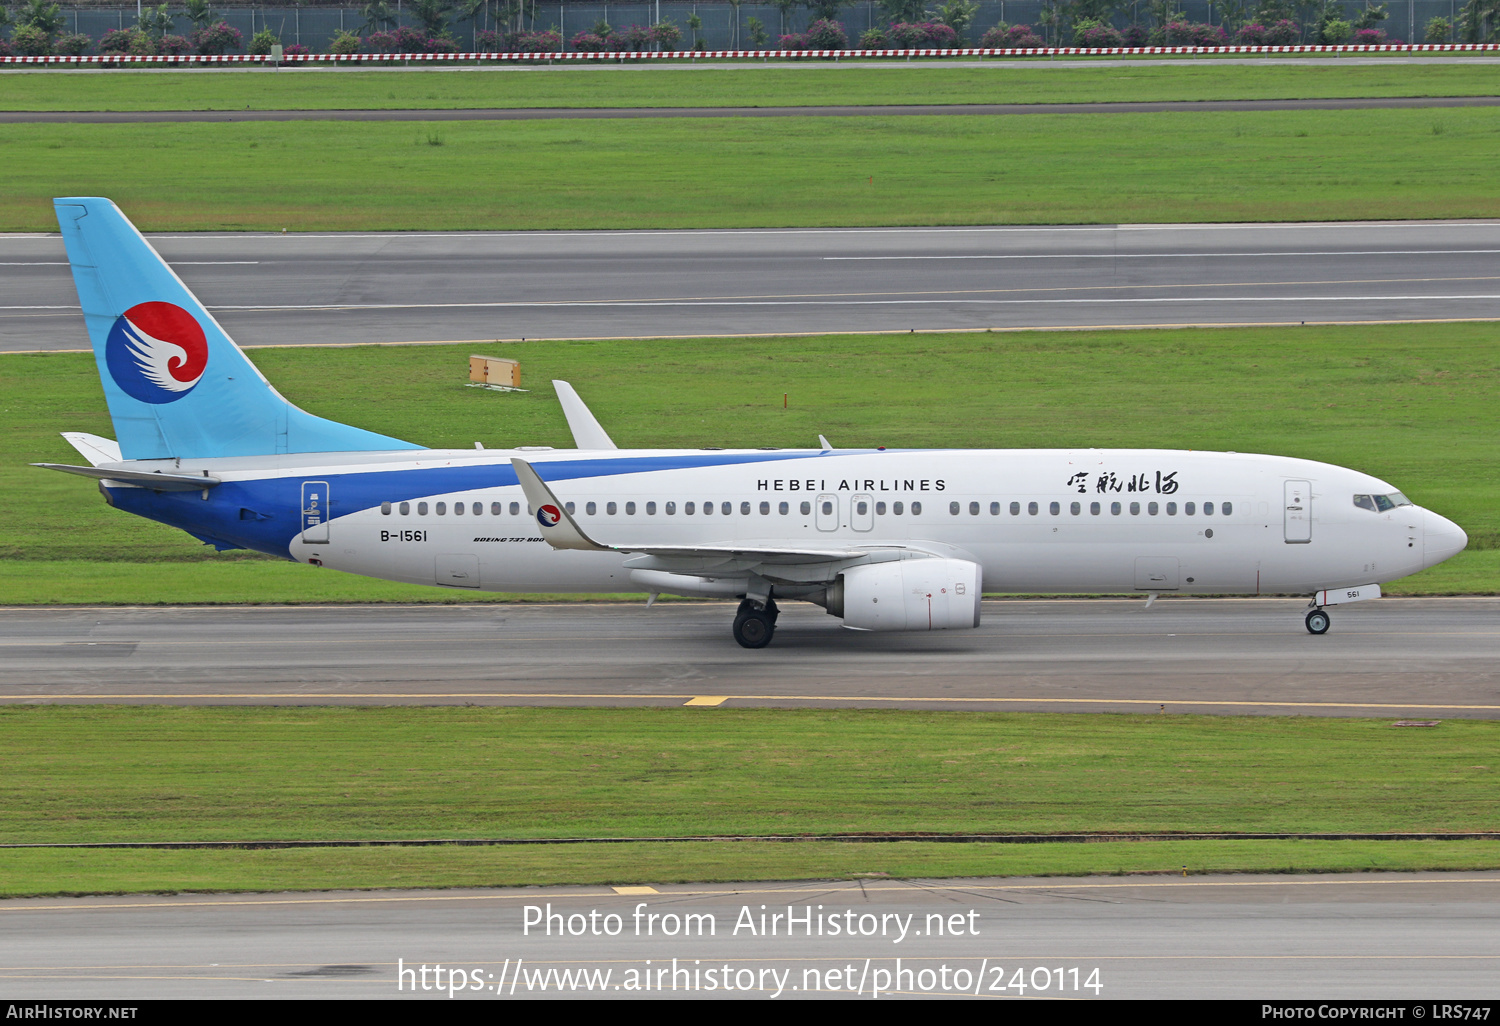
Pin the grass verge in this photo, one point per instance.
(245, 773)
(36, 873)
(736, 172)
(162, 773)
(1412, 404)
(727, 86)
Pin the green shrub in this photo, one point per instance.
(1439, 30)
(31, 41)
(343, 42)
(1334, 31)
(262, 41)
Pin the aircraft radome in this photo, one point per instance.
(886, 539)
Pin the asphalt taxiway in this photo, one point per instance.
(392, 287)
(1353, 936)
(1402, 658)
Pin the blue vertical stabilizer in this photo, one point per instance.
(177, 385)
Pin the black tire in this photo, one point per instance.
(754, 629)
(1318, 622)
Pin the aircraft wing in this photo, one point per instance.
(561, 531)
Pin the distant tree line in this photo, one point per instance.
(35, 28)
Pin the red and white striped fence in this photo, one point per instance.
(693, 55)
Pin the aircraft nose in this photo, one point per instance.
(1441, 538)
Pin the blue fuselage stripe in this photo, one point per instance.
(265, 514)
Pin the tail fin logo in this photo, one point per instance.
(549, 516)
(156, 352)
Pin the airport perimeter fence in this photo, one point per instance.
(113, 60)
(725, 27)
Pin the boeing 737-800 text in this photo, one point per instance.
(888, 540)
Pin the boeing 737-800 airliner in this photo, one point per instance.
(888, 540)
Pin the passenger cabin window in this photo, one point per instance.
(1135, 509)
(458, 509)
(1171, 509)
(1226, 508)
(994, 509)
(1114, 509)
(569, 507)
(1075, 508)
(916, 509)
(515, 509)
(650, 509)
(1055, 508)
(784, 508)
(806, 508)
(745, 509)
(385, 508)
(1015, 509)
(1152, 508)
(610, 508)
(862, 507)
(973, 509)
(591, 508)
(1208, 509)
(953, 508)
(442, 508)
(496, 509)
(670, 509)
(405, 508)
(1031, 508)
(1189, 508)
(688, 508)
(898, 508)
(880, 509)
(765, 509)
(422, 509)
(1094, 509)
(827, 507)
(630, 509)
(728, 507)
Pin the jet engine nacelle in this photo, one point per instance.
(908, 595)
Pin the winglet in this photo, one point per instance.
(824, 443)
(558, 527)
(587, 434)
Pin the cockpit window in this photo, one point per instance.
(1381, 503)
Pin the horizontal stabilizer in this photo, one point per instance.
(146, 479)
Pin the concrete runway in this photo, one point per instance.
(1397, 658)
(1363, 937)
(430, 287)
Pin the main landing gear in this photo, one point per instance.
(753, 627)
(1317, 622)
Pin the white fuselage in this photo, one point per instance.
(1036, 521)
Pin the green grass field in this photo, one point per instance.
(116, 773)
(1412, 404)
(54, 872)
(725, 85)
(734, 172)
